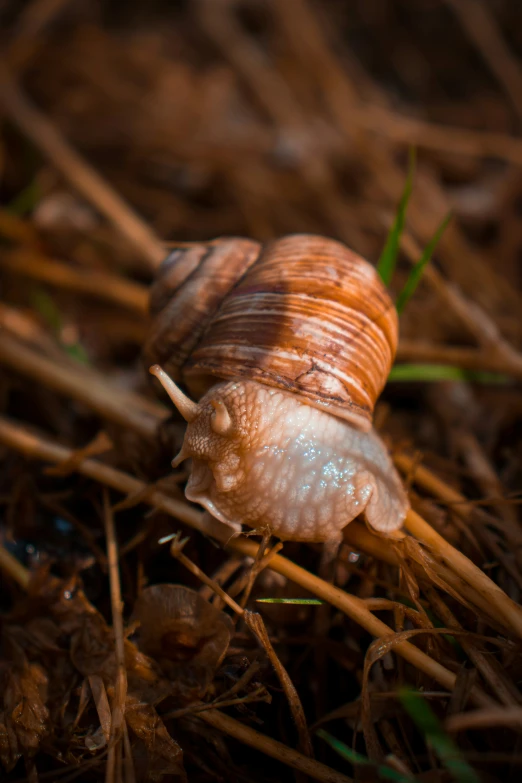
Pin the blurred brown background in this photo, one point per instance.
(260, 118)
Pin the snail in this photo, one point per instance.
(286, 346)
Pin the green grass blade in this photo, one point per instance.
(428, 724)
(388, 260)
(350, 755)
(77, 352)
(26, 200)
(298, 601)
(428, 373)
(47, 308)
(416, 273)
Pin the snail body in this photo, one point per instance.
(287, 347)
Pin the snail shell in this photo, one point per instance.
(287, 346)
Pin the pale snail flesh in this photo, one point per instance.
(273, 447)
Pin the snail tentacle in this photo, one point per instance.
(180, 457)
(221, 422)
(187, 407)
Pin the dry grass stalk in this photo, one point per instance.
(99, 445)
(342, 87)
(255, 623)
(483, 30)
(474, 318)
(106, 403)
(37, 448)
(223, 573)
(16, 229)
(195, 709)
(34, 447)
(85, 179)
(425, 478)
(413, 132)
(476, 460)
(312, 114)
(31, 23)
(488, 595)
(70, 378)
(15, 570)
(271, 747)
(498, 602)
(499, 684)
(114, 760)
(176, 550)
(282, 107)
(427, 569)
(267, 745)
(353, 607)
(465, 358)
(88, 282)
(486, 718)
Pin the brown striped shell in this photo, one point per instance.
(302, 313)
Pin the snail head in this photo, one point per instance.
(263, 457)
(212, 440)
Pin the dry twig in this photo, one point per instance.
(120, 689)
(481, 26)
(85, 179)
(37, 448)
(84, 385)
(89, 282)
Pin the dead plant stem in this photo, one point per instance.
(111, 288)
(35, 447)
(116, 405)
(500, 685)
(128, 410)
(508, 610)
(455, 356)
(481, 26)
(14, 568)
(120, 685)
(272, 747)
(45, 136)
(360, 538)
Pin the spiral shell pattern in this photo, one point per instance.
(302, 313)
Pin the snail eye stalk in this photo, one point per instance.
(187, 407)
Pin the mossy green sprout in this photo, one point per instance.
(386, 268)
(416, 273)
(425, 373)
(25, 200)
(46, 306)
(433, 732)
(388, 259)
(382, 771)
